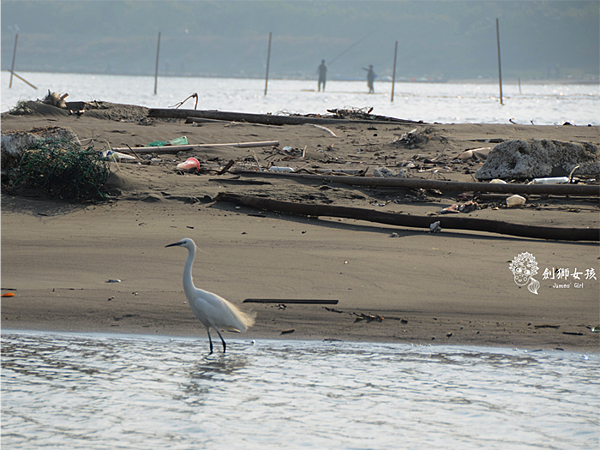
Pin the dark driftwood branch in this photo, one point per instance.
(417, 183)
(458, 223)
(269, 119)
(290, 301)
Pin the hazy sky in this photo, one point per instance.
(229, 38)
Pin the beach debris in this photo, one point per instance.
(53, 161)
(55, 99)
(550, 180)
(110, 155)
(515, 201)
(368, 317)
(8, 294)
(477, 154)
(291, 301)
(497, 181)
(324, 129)
(183, 140)
(15, 143)
(288, 331)
(384, 172)
(414, 138)
(461, 208)
(113, 280)
(435, 227)
(189, 164)
(546, 325)
(595, 329)
(281, 169)
(408, 220)
(194, 96)
(189, 147)
(537, 158)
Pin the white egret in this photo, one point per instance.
(210, 309)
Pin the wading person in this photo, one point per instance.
(322, 71)
(370, 78)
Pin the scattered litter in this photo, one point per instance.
(183, 140)
(368, 317)
(395, 235)
(281, 169)
(59, 166)
(384, 172)
(477, 154)
(325, 129)
(545, 325)
(497, 181)
(110, 155)
(287, 148)
(291, 330)
(189, 164)
(595, 329)
(550, 180)
(114, 280)
(55, 99)
(435, 227)
(8, 294)
(414, 138)
(515, 201)
(462, 208)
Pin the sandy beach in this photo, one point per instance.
(393, 284)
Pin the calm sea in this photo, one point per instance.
(430, 102)
(77, 391)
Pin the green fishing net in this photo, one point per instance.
(61, 167)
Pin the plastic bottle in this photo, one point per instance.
(551, 180)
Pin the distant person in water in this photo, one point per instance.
(370, 79)
(322, 70)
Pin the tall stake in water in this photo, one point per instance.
(394, 74)
(268, 61)
(499, 63)
(156, 69)
(12, 68)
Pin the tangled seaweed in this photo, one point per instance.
(60, 167)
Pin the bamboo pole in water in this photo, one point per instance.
(12, 68)
(499, 62)
(156, 68)
(394, 73)
(268, 61)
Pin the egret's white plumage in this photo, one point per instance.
(212, 310)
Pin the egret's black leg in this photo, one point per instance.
(209, 341)
(222, 340)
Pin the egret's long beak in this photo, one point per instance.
(173, 245)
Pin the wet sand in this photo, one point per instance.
(453, 287)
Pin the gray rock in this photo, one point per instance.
(536, 158)
(14, 143)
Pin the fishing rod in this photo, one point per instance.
(351, 47)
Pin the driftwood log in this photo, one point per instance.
(268, 119)
(418, 183)
(457, 223)
(185, 148)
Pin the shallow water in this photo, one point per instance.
(107, 391)
(430, 102)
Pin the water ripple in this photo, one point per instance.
(76, 391)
